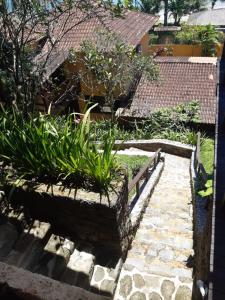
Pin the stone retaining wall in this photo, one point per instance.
(85, 215)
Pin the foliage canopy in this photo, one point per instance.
(113, 66)
(26, 26)
(168, 123)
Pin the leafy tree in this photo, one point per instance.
(113, 66)
(180, 8)
(25, 26)
(166, 11)
(199, 5)
(177, 8)
(150, 6)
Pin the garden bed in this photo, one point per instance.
(54, 169)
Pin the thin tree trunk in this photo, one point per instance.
(165, 12)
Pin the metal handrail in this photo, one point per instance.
(144, 172)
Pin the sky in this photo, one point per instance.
(219, 4)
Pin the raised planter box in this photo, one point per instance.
(79, 213)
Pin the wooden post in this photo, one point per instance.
(137, 189)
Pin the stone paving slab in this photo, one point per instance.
(136, 285)
(158, 266)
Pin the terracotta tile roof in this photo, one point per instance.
(74, 27)
(130, 28)
(182, 79)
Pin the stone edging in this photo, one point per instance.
(171, 147)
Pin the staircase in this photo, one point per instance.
(37, 248)
(160, 262)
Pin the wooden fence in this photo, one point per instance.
(144, 173)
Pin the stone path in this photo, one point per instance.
(134, 151)
(158, 266)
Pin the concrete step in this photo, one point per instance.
(29, 247)
(55, 257)
(79, 269)
(104, 280)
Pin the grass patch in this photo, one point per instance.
(207, 155)
(132, 162)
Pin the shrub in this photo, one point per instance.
(207, 35)
(188, 35)
(153, 39)
(53, 150)
(167, 123)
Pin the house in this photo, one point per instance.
(182, 79)
(215, 17)
(132, 28)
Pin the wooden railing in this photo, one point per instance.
(144, 172)
(198, 162)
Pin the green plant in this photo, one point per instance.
(188, 35)
(168, 123)
(112, 66)
(53, 150)
(208, 36)
(208, 190)
(207, 154)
